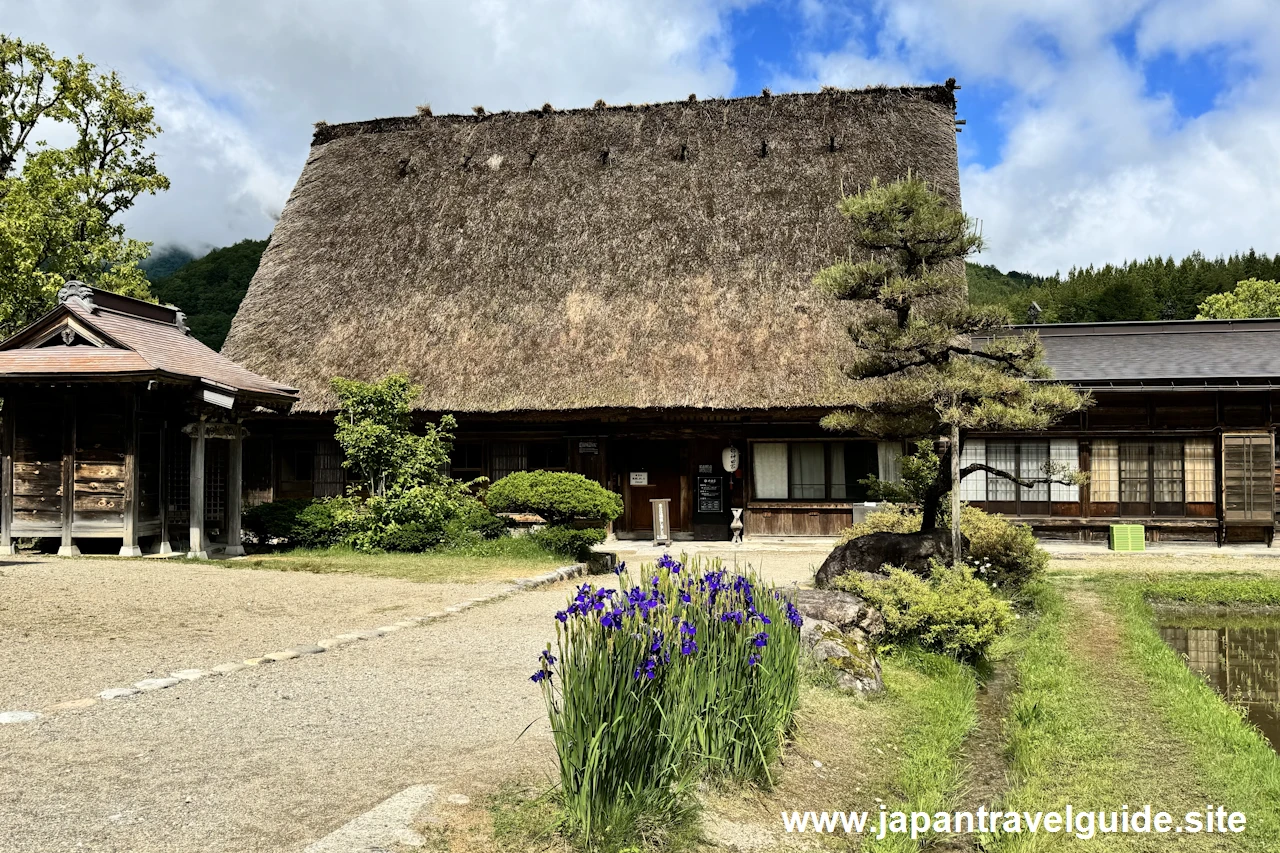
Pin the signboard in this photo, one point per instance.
(661, 520)
(588, 448)
(639, 478)
(706, 469)
(710, 494)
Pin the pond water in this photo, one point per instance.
(1238, 655)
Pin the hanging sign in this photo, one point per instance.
(639, 478)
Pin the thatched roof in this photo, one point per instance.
(643, 256)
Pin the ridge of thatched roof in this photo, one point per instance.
(653, 256)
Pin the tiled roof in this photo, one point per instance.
(1214, 352)
(50, 361)
(144, 339)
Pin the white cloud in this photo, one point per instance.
(1096, 167)
(238, 85)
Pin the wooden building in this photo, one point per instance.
(1181, 437)
(119, 425)
(624, 292)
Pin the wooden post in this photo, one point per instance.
(163, 544)
(198, 547)
(6, 479)
(235, 469)
(68, 547)
(129, 542)
(957, 541)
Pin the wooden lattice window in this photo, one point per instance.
(1248, 491)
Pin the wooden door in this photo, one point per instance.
(659, 463)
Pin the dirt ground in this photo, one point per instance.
(73, 628)
(267, 759)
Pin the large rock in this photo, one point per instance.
(869, 554)
(848, 655)
(842, 610)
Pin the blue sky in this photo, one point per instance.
(1098, 130)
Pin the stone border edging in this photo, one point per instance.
(150, 685)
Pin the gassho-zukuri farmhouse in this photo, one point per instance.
(622, 292)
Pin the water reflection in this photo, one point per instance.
(1238, 656)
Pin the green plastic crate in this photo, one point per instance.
(1128, 537)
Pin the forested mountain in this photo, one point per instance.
(1153, 289)
(164, 261)
(209, 289)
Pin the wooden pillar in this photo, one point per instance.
(129, 544)
(198, 548)
(235, 491)
(68, 547)
(163, 544)
(6, 480)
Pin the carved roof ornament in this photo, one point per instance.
(68, 336)
(80, 292)
(180, 320)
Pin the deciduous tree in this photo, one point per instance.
(1251, 298)
(59, 204)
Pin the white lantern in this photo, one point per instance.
(731, 458)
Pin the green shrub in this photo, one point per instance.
(952, 612)
(688, 671)
(569, 541)
(274, 520)
(411, 538)
(558, 497)
(300, 522)
(315, 527)
(889, 518)
(413, 519)
(1005, 553)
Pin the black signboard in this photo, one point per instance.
(710, 494)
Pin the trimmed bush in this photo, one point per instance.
(688, 672)
(569, 541)
(1005, 553)
(952, 612)
(558, 497)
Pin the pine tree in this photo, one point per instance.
(928, 363)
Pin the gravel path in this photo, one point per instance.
(71, 628)
(275, 757)
(783, 565)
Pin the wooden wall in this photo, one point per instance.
(37, 464)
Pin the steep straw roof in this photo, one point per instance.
(643, 256)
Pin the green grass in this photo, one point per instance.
(935, 696)
(495, 561)
(1216, 589)
(1058, 747)
(1106, 714)
(1232, 755)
